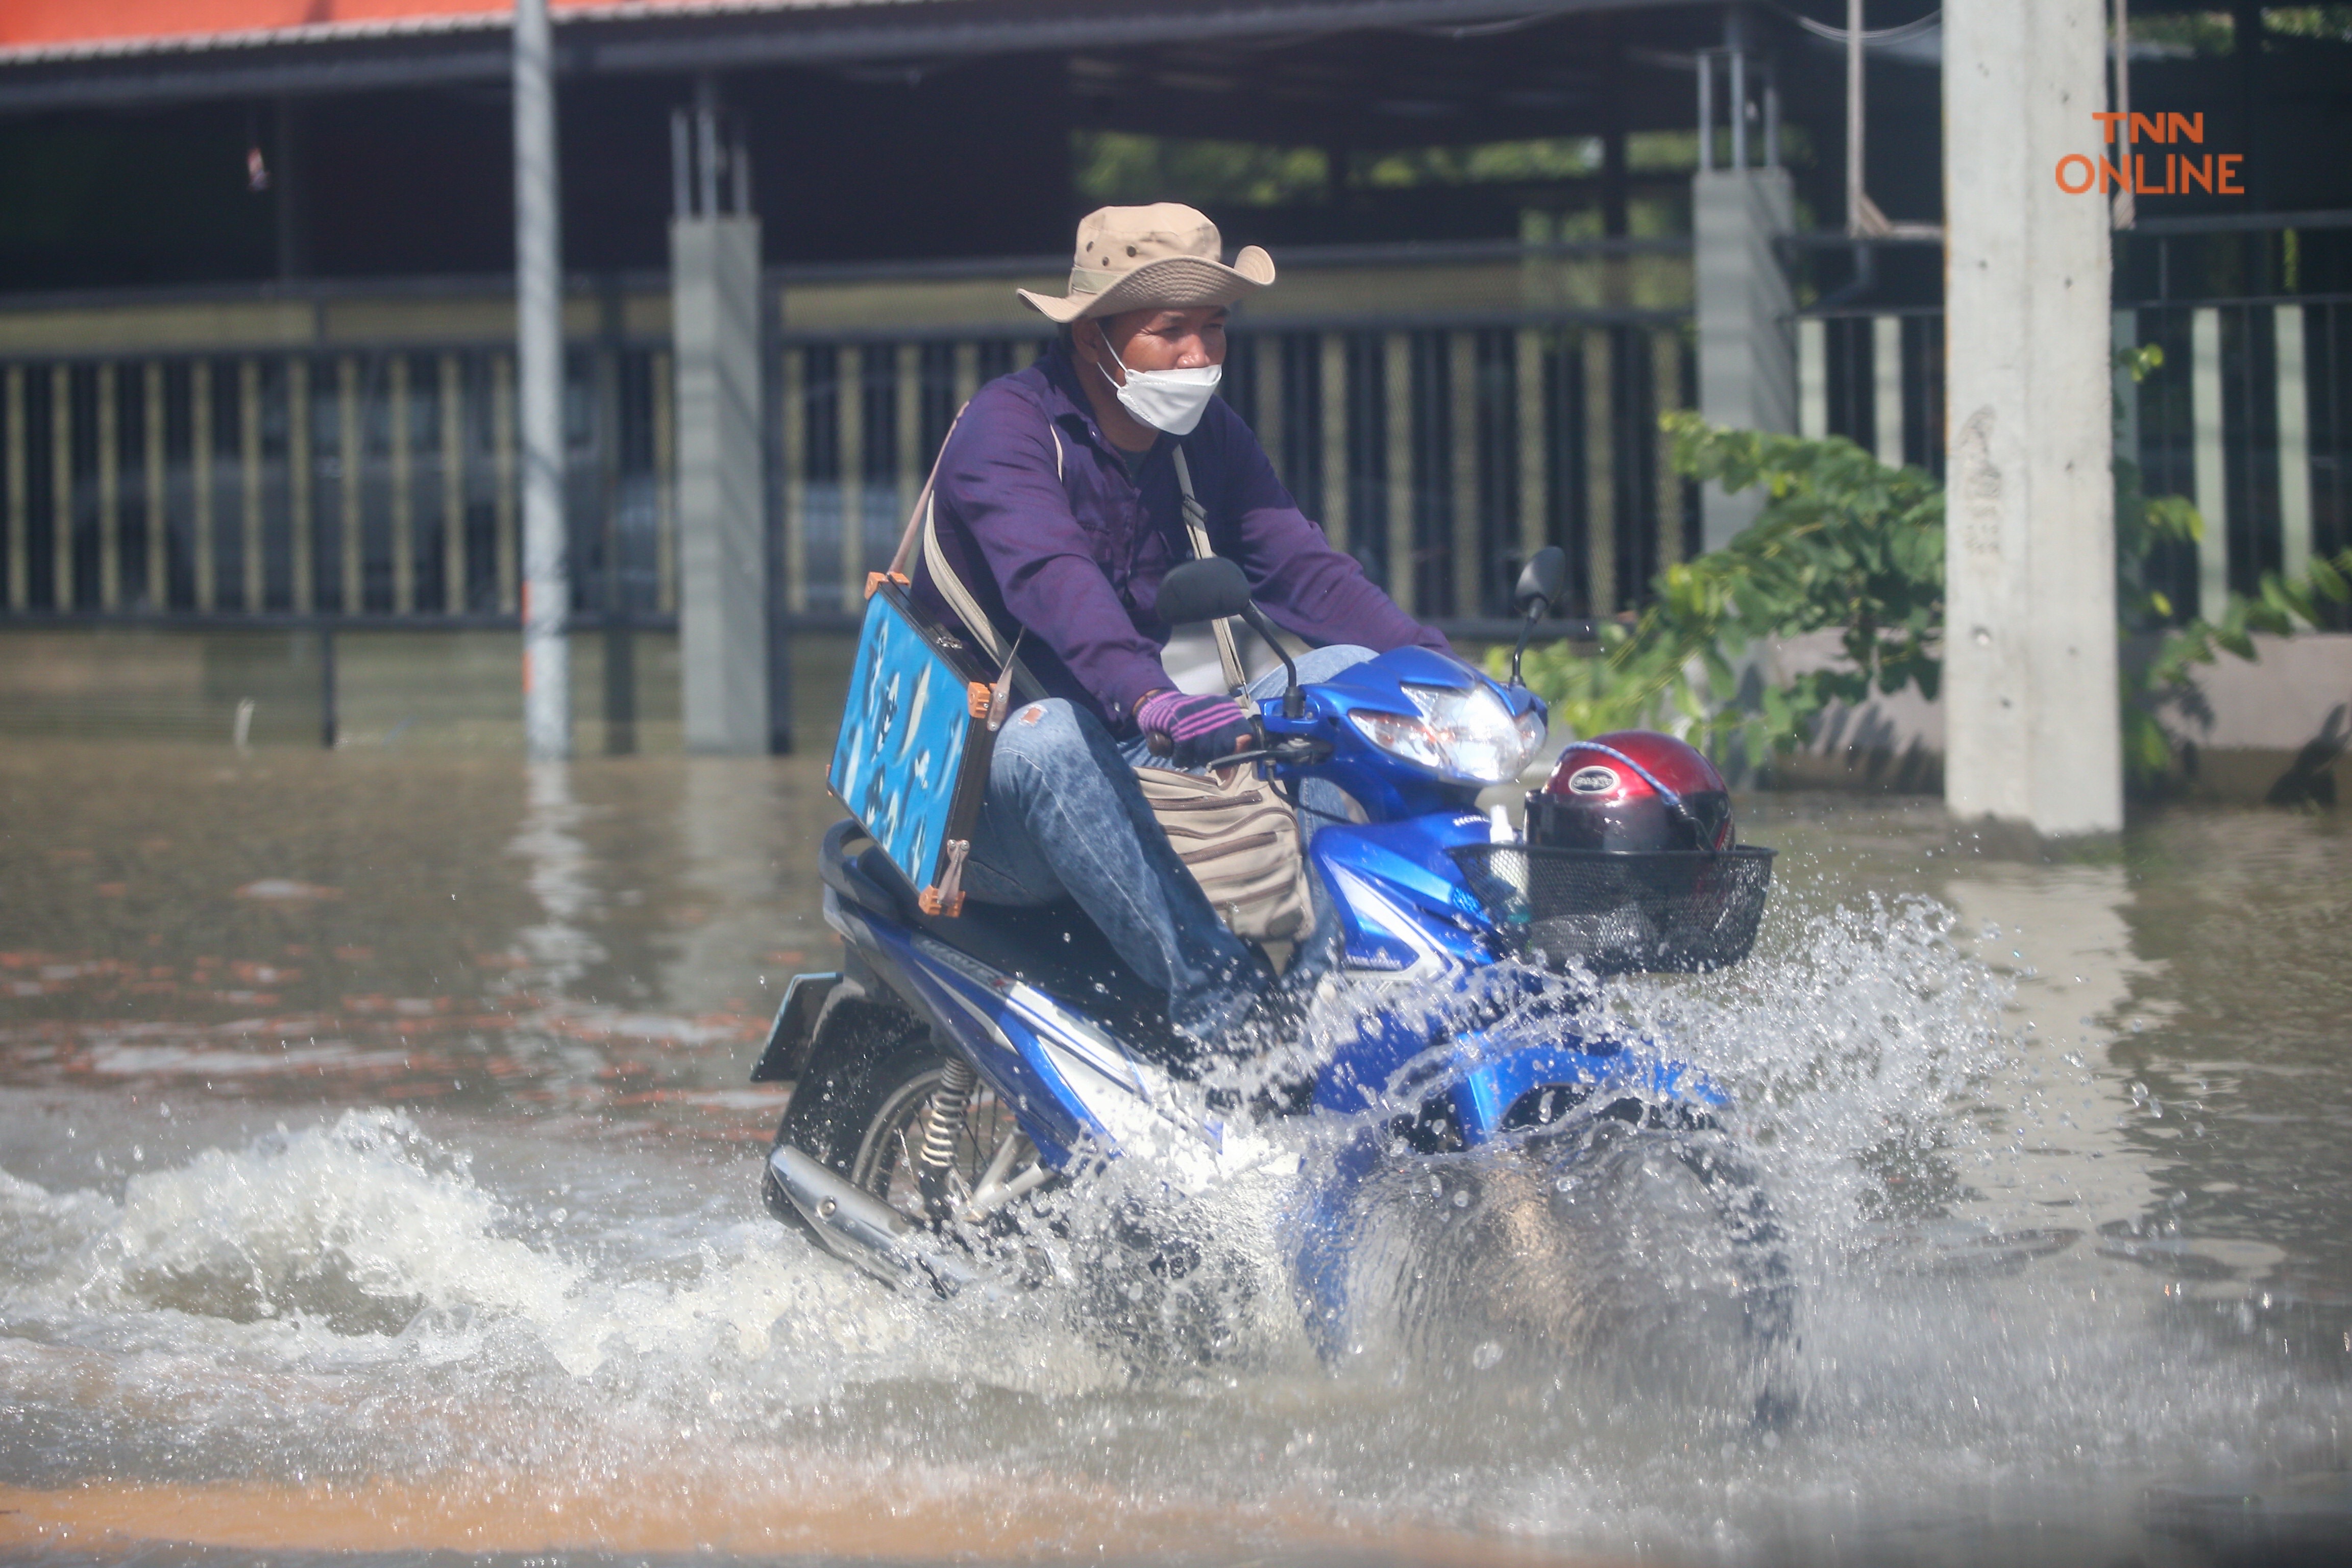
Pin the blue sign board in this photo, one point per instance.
(912, 759)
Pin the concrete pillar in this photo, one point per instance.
(721, 479)
(1746, 342)
(2029, 640)
(620, 637)
(539, 358)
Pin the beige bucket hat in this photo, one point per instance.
(1163, 256)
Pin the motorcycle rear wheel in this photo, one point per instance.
(861, 1108)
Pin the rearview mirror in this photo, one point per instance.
(1542, 582)
(1540, 586)
(1208, 589)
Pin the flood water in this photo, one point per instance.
(378, 1176)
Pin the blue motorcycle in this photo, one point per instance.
(958, 1069)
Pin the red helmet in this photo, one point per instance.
(1635, 789)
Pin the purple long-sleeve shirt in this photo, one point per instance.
(1075, 551)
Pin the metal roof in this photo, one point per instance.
(371, 44)
(33, 31)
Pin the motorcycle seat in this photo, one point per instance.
(1053, 947)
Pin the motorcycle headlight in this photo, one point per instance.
(1469, 736)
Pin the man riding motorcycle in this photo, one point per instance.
(1058, 507)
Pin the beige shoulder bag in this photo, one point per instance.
(1236, 834)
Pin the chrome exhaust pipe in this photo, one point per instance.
(859, 1227)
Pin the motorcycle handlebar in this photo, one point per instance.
(1288, 749)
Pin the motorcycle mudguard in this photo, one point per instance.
(794, 1027)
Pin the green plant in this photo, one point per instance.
(2144, 525)
(1844, 542)
(2280, 608)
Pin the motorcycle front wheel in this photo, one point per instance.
(1634, 1248)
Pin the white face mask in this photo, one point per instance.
(1169, 400)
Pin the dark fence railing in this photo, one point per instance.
(1440, 457)
(2250, 417)
(367, 483)
(1443, 411)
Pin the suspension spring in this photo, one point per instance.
(943, 1119)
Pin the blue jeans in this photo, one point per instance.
(1062, 818)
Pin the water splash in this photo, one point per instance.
(363, 1298)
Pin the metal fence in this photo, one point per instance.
(1440, 457)
(368, 483)
(375, 477)
(2250, 417)
(1876, 379)
(1441, 410)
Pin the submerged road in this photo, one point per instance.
(378, 1176)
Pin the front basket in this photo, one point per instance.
(1623, 912)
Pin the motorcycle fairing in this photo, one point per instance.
(1403, 922)
(1407, 917)
(1390, 790)
(1076, 1088)
(1408, 866)
(969, 1001)
(1493, 1072)
(1073, 1089)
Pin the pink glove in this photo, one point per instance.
(1195, 730)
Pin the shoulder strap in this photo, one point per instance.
(920, 517)
(1015, 678)
(1196, 525)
